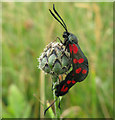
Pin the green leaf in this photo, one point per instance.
(17, 102)
(27, 111)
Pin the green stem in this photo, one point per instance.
(57, 110)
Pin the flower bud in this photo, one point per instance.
(54, 59)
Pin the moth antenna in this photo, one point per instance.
(59, 17)
(49, 107)
(62, 23)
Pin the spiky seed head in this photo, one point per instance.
(54, 59)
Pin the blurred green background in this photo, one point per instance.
(26, 29)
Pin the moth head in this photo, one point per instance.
(72, 38)
(65, 35)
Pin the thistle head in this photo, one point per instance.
(54, 59)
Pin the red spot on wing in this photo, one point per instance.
(73, 81)
(84, 71)
(64, 89)
(78, 70)
(81, 60)
(70, 48)
(68, 82)
(75, 60)
(75, 49)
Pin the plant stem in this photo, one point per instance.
(57, 110)
(42, 93)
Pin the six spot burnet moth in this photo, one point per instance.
(79, 60)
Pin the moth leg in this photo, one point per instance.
(59, 40)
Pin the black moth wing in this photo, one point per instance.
(79, 72)
(65, 85)
(79, 63)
